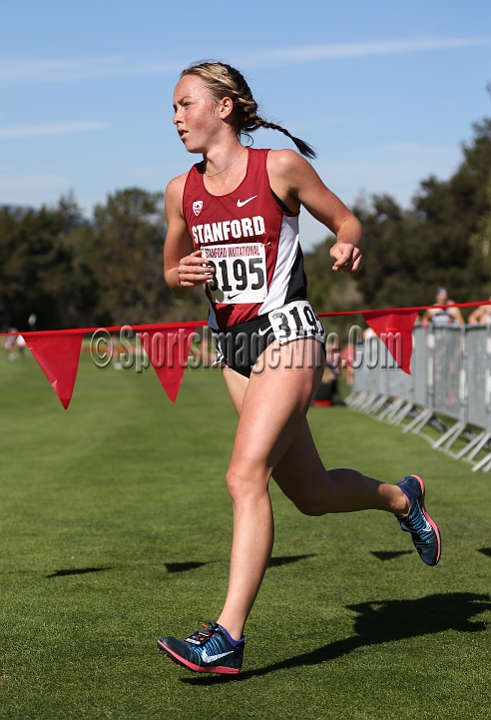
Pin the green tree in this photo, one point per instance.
(35, 264)
(479, 268)
(123, 251)
(409, 253)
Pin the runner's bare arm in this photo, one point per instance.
(296, 182)
(184, 268)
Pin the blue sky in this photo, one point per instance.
(385, 91)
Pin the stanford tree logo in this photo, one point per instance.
(197, 207)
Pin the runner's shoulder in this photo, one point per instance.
(285, 161)
(176, 186)
(174, 194)
(287, 169)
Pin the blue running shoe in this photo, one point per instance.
(424, 531)
(205, 651)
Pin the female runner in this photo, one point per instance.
(233, 228)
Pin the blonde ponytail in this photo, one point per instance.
(225, 81)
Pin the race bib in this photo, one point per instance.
(296, 320)
(240, 272)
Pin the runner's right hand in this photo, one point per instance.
(193, 270)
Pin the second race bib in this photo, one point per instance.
(296, 320)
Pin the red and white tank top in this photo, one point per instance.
(252, 240)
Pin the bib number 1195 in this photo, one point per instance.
(296, 320)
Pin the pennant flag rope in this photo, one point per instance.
(58, 356)
(396, 332)
(168, 352)
(167, 345)
(57, 352)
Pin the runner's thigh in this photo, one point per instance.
(275, 402)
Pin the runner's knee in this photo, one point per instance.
(244, 482)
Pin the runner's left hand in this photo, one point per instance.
(348, 258)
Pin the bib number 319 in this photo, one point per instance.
(296, 320)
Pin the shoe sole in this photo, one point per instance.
(218, 669)
(430, 520)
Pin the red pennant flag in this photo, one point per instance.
(58, 356)
(395, 330)
(168, 351)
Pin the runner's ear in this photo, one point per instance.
(226, 107)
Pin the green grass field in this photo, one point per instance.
(115, 529)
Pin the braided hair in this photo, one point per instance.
(225, 81)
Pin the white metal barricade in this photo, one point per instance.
(450, 376)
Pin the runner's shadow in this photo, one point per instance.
(178, 567)
(389, 554)
(382, 622)
(287, 559)
(77, 571)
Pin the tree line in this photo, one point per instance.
(73, 271)
(443, 239)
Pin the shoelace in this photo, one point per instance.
(418, 525)
(201, 636)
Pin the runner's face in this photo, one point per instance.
(195, 114)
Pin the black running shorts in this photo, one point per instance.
(240, 346)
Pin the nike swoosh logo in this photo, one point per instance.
(264, 331)
(427, 527)
(241, 203)
(210, 658)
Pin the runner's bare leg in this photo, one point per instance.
(273, 438)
